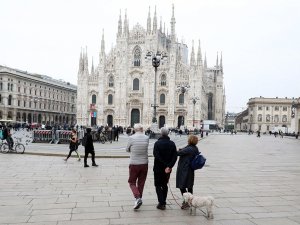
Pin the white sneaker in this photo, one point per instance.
(137, 204)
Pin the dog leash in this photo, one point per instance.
(178, 198)
(173, 195)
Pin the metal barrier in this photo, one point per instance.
(42, 136)
(47, 136)
(63, 136)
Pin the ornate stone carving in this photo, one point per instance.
(137, 35)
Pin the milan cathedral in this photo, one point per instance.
(120, 89)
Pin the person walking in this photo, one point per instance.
(258, 133)
(138, 165)
(89, 148)
(73, 145)
(165, 156)
(185, 175)
(116, 133)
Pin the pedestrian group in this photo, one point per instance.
(165, 156)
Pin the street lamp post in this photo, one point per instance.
(182, 88)
(194, 99)
(155, 58)
(227, 118)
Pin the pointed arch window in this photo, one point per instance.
(136, 84)
(137, 57)
(110, 99)
(181, 99)
(163, 80)
(162, 99)
(111, 81)
(94, 98)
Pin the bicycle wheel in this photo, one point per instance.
(19, 148)
(4, 148)
(102, 140)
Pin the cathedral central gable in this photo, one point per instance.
(137, 35)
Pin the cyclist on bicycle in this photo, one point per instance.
(7, 136)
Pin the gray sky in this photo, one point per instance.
(260, 39)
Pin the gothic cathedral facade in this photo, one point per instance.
(121, 90)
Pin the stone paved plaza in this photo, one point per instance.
(255, 181)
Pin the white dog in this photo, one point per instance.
(198, 202)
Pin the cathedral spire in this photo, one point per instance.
(160, 25)
(173, 36)
(81, 63)
(126, 26)
(217, 62)
(199, 55)
(120, 25)
(92, 69)
(205, 61)
(221, 63)
(149, 22)
(102, 43)
(164, 28)
(155, 22)
(192, 62)
(86, 61)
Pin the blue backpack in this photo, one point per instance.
(1, 135)
(198, 162)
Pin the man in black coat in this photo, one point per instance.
(116, 133)
(165, 156)
(89, 148)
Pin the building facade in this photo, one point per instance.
(270, 114)
(120, 90)
(295, 120)
(241, 121)
(230, 121)
(33, 98)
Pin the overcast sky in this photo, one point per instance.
(259, 39)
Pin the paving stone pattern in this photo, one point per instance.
(255, 181)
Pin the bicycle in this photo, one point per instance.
(1, 143)
(18, 147)
(103, 137)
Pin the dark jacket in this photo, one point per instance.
(165, 154)
(185, 175)
(89, 146)
(73, 143)
(5, 133)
